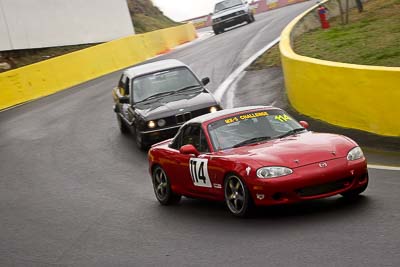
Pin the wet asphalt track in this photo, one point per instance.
(73, 191)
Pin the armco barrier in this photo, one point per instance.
(53, 75)
(352, 96)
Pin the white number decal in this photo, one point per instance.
(199, 172)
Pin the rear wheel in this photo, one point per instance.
(162, 187)
(355, 192)
(237, 196)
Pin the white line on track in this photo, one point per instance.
(223, 88)
(382, 167)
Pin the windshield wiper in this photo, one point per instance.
(155, 96)
(252, 140)
(291, 132)
(187, 88)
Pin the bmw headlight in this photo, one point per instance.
(151, 124)
(213, 109)
(272, 172)
(355, 153)
(161, 123)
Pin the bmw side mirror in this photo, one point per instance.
(189, 150)
(205, 81)
(123, 99)
(304, 124)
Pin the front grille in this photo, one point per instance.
(228, 16)
(199, 112)
(181, 118)
(232, 15)
(324, 188)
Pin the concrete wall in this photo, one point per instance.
(53, 75)
(45, 23)
(348, 95)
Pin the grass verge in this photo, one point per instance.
(371, 38)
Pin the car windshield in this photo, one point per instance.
(163, 83)
(226, 4)
(251, 128)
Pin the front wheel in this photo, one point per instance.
(162, 187)
(250, 19)
(140, 140)
(237, 196)
(122, 126)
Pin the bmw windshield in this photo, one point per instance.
(251, 128)
(226, 4)
(158, 84)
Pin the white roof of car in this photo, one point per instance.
(224, 112)
(153, 67)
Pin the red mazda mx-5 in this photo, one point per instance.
(255, 156)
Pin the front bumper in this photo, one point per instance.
(232, 21)
(157, 135)
(310, 182)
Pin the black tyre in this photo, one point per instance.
(218, 31)
(162, 187)
(237, 196)
(140, 141)
(355, 192)
(122, 126)
(249, 19)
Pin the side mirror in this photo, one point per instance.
(189, 150)
(123, 99)
(304, 124)
(205, 81)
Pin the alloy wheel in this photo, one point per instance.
(160, 183)
(235, 195)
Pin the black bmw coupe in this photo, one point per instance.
(153, 100)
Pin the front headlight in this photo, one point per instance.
(213, 109)
(151, 124)
(161, 123)
(355, 153)
(272, 172)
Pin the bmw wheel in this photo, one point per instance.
(162, 187)
(237, 196)
(122, 126)
(139, 140)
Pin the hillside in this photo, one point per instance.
(146, 17)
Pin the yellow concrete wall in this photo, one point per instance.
(352, 96)
(53, 75)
